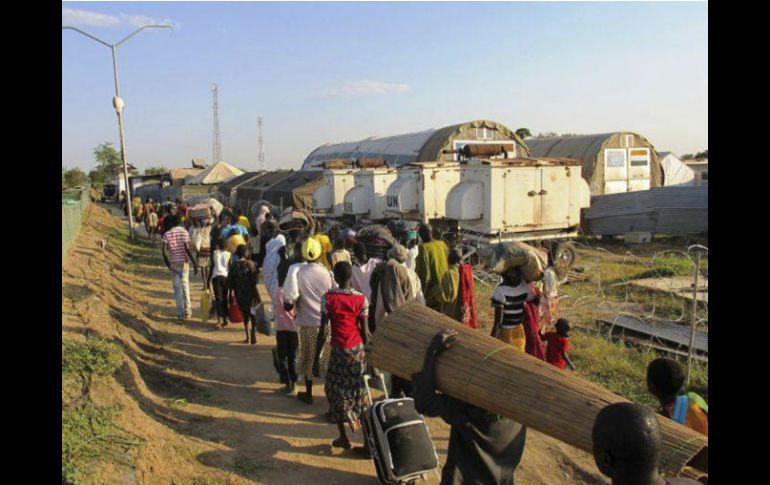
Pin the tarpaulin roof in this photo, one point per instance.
(215, 174)
(226, 187)
(675, 172)
(295, 190)
(422, 146)
(590, 150)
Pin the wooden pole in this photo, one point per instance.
(495, 376)
(694, 316)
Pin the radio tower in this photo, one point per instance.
(216, 155)
(260, 147)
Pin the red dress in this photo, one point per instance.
(556, 345)
(344, 308)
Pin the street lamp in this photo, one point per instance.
(118, 104)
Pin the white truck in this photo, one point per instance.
(480, 200)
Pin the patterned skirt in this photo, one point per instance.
(344, 385)
(308, 337)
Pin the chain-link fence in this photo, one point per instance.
(73, 209)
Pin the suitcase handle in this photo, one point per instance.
(381, 378)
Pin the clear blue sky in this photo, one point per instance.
(329, 72)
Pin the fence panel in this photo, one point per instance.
(74, 204)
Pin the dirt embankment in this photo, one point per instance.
(208, 408)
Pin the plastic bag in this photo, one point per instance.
(234, 311)
(205, 306)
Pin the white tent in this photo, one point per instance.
(216, 174)
(675, 172)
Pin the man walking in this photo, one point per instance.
(177, 255)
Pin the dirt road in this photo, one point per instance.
(208, 407)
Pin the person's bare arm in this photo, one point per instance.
(165, 255)
(498, 321)
(189, 255)
(567, 359)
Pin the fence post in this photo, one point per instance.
(693, 318)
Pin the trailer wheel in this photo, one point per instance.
(564, 253)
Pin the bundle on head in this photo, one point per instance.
(296, 221)
(500, 257)
(377, 239)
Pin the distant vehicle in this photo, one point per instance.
(109, 193)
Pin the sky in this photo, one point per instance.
(330, 72)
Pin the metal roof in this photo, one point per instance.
(406, 148)
(226, 187)
(582, 147)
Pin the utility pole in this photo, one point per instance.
(119, 104)
(216, 148)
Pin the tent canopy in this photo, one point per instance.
(215, 174)
(675, 172)
(422, 146)
(589, 149)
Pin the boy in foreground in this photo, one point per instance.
(665, 378)
(483, 447)
(627, 446)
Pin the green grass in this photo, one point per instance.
(615, 366)
(89, 432)
(94, 357)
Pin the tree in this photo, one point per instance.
(548, 134)
(107, 157)
(74, 177)
(523, 133)
(155, 170)
(688, 156)
(107, 160)
(98, 177)
(702, 155)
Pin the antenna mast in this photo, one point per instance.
(216, 155)
(260, 146)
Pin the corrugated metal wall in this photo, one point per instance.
(72, 216)
(661, 210)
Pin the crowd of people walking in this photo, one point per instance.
(328, 291)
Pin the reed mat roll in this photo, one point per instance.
(489, 374)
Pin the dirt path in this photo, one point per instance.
(208, 406)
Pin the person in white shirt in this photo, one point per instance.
(217, 280)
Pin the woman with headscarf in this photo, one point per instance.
(391, 285)
(431, 264)
(313, 281)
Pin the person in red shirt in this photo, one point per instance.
(558, 345)
(347, 312)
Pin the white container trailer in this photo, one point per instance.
(367, 199)
(420, 190)
(519, 198)
(329, 199)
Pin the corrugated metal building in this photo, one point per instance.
(424, 146)
(612, 162)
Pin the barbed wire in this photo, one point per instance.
(649, 287)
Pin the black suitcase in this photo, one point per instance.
(398, 438)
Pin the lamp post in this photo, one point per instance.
(118, 104)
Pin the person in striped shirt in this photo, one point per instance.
(177, 255)
(508, 302)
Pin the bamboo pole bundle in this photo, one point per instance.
(487, 373)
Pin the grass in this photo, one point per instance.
(89, 432)
(615, 366)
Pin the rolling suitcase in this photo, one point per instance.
(398, 438)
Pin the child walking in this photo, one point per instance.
(557, 345)
(508, 302)
(347, 312)
(665, 378)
